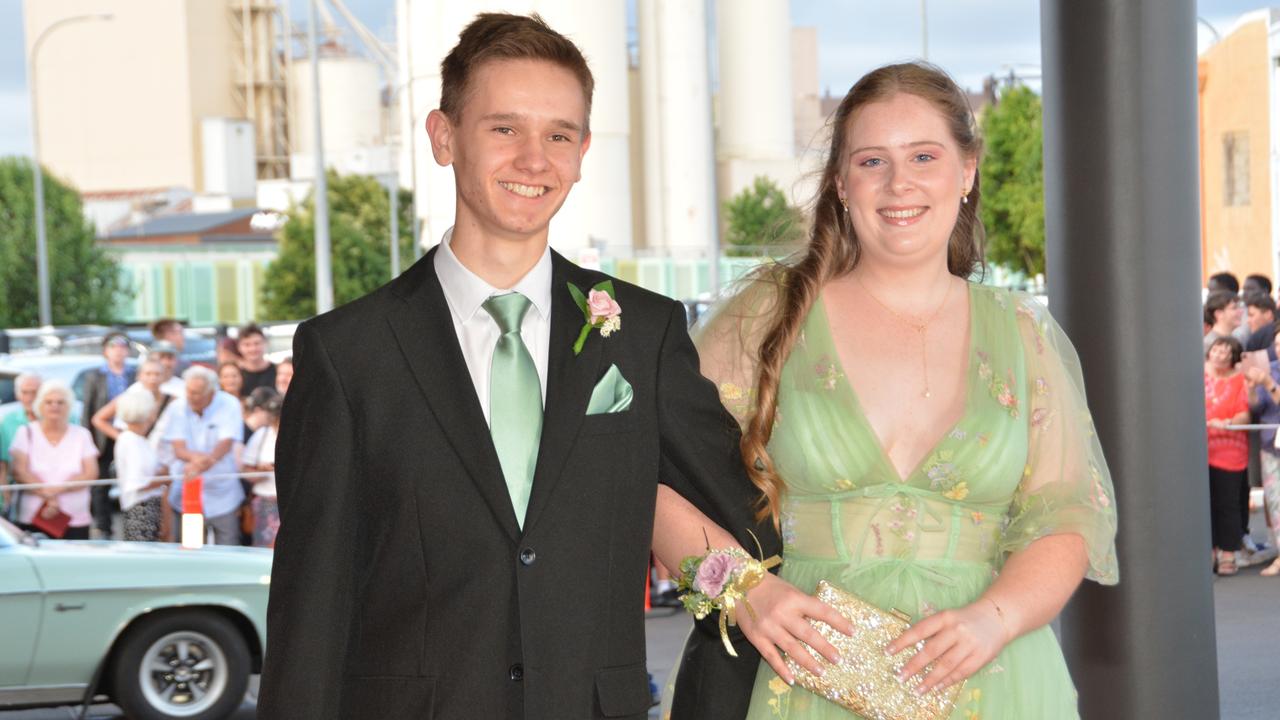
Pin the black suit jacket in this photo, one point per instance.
(96, 396)
(403, 586)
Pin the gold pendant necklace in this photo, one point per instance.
(915, 324)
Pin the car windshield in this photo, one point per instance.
(7, 393)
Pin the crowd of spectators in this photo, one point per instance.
(1241, 387)
(151, 432)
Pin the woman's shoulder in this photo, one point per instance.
(80, 433)
(1008, 299)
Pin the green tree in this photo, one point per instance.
(85, 282)
(759, 218)
(1013, 182)
(359, 229)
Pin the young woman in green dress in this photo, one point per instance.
(923, 441)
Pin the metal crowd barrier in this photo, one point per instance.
(146, 480)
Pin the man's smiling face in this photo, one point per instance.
(516, 148)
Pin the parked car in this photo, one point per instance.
(161, 631)
(71, 369)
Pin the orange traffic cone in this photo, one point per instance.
(192, 513)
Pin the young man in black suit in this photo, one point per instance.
(468, 480)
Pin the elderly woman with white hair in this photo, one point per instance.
(51, 451)
(141, 495)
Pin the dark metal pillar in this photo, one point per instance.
(1123, 266)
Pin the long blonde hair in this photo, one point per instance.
(834, 250)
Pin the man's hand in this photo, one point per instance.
(198, 463)
(782, 623)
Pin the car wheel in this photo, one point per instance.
(193, 665)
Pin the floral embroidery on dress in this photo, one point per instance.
(788, 528)
(1030, 309)
(900, 527)
(958, 434)
(941, 471)
(731, 392)
(983, 439)
(1100, 497)
(781, 696)
(828, 375)
(736, 399)
(943, 476)
(875, 530)
(1041, 419)
(1042, 387)
(1001, 389)
(842, 485)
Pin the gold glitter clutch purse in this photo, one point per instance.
(866, 680)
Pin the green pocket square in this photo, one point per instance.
(612, 394)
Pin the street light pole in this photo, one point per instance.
(324, 269)
(42, 244)
(924, 30)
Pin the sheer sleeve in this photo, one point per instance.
(728, 340)
(1066, 487)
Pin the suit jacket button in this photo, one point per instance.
(516, 672)
(528, 556)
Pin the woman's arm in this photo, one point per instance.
(103, 418)
(782, 611)
(21, 468)
(1031, 590)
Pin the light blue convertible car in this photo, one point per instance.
(161, 631)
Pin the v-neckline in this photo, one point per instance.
(861, 415)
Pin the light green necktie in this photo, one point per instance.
(515, 400)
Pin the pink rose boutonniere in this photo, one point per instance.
(599, 310)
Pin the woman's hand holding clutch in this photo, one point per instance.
(780, 621)
(958, 642)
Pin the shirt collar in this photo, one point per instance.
(466, 292)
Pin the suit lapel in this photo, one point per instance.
(424, 329)
(570, 379)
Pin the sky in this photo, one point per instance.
(971, 39)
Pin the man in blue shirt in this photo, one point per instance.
(205, 428)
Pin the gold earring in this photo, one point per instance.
(964, 197)
(845, 203)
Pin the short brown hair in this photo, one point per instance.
(1237, 350)
(160, 328)
(249, 330)
(504, 36)
(1218, 300)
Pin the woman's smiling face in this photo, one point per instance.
(903, 177)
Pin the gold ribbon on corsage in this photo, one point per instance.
(719, 580)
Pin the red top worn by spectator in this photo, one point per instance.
(1224, 398)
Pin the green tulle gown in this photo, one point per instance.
(1022, 463)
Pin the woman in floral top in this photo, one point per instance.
(1226, 402)
(924, 441)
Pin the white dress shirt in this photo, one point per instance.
(477, 331)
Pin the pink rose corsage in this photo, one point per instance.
(599, 310)
(719, 581)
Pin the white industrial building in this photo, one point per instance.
(209, 102)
